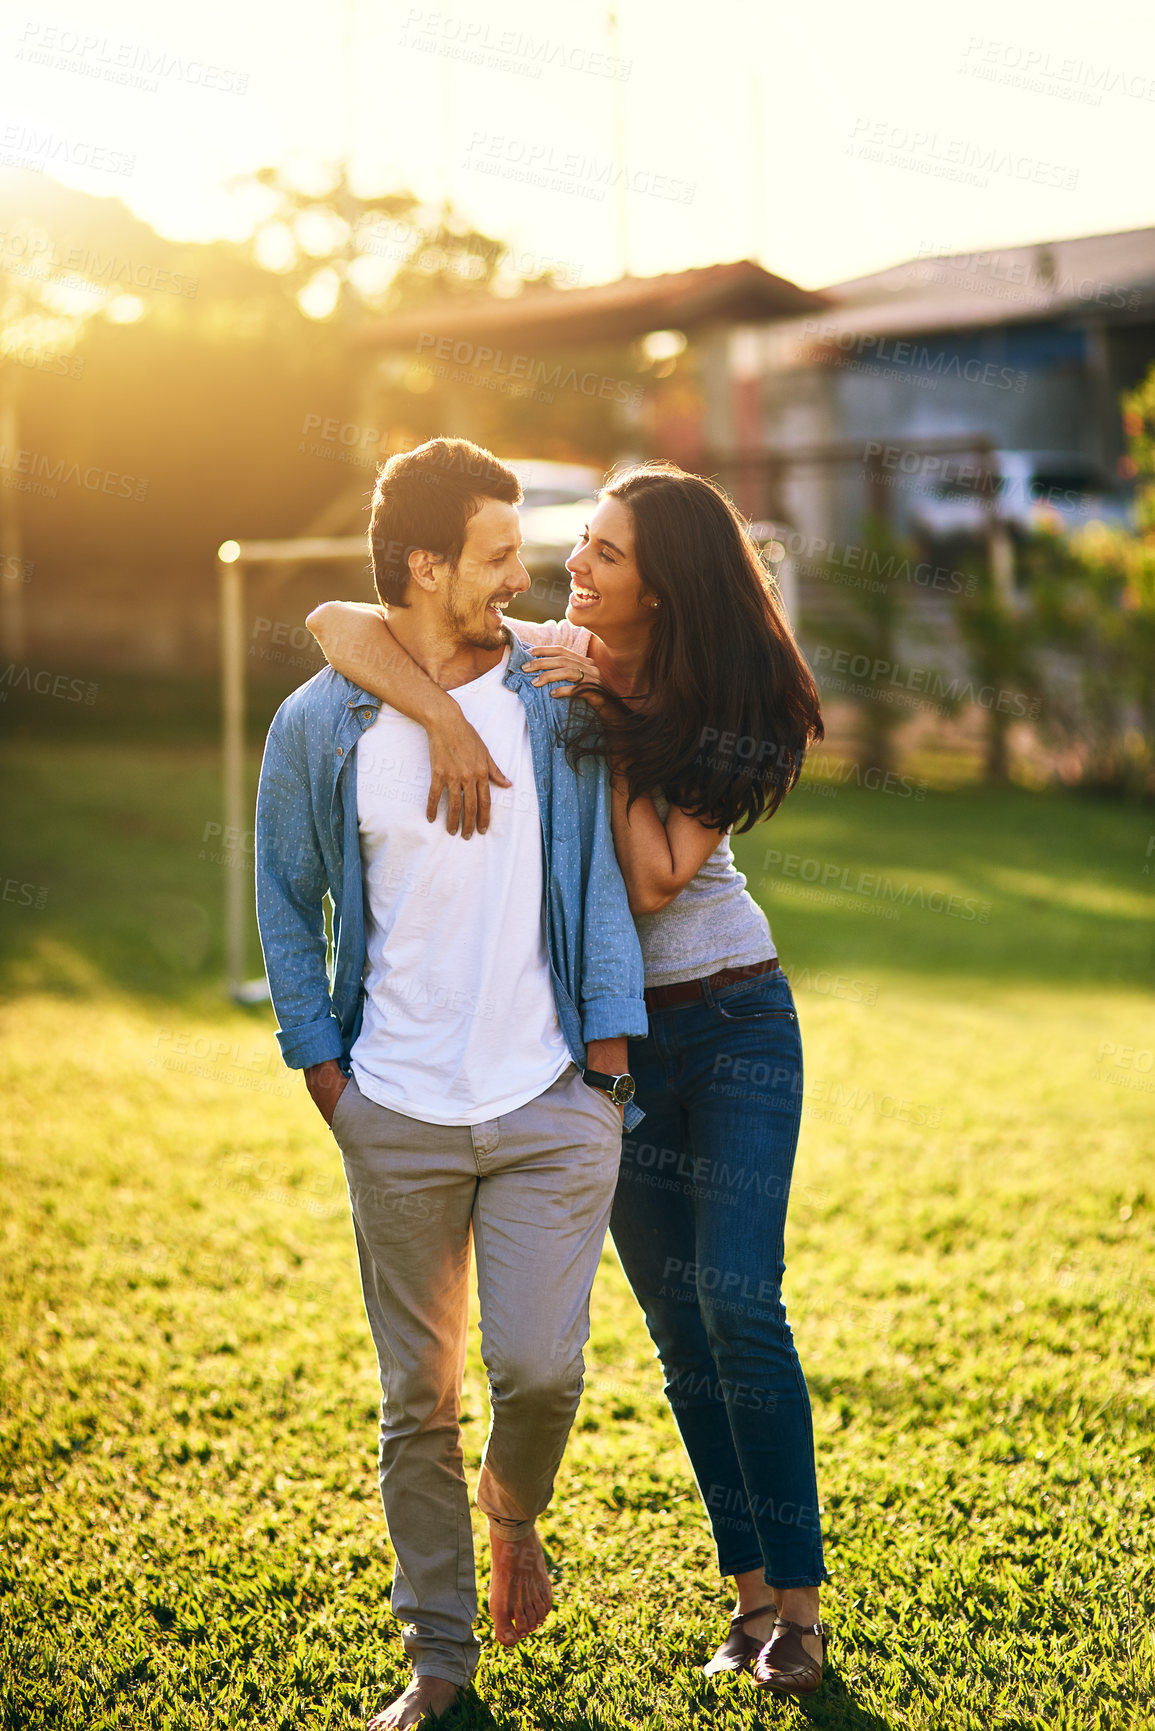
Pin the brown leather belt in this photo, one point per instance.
(687, 991)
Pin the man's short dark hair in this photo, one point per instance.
(424, 499)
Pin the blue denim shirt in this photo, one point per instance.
(308, 844)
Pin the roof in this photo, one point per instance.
(1109, 277)
(610, 312)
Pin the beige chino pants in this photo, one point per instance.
(533, 1189)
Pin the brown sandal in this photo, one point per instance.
(739, 1650)
(784, 1666)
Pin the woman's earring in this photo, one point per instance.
(655, 603)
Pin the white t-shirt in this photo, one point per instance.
(460, 1023)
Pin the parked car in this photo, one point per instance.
(1024, 490)
(559, 498)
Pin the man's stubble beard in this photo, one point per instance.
(466, 632)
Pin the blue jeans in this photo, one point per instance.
(698, 1222)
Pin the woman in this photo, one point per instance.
(699, 695)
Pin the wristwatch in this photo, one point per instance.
(621, 1089)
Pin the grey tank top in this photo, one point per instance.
(715, 923)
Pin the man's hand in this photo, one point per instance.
(460, 763)
(609, 1058)
(326, 1083)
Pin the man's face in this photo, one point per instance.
(489, 574)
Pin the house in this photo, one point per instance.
(946, 385)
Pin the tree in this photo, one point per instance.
(349, 256)
(997, 634)
(1093, 595)
(40, 327)
(867, 624)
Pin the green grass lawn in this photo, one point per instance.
(191, 1529)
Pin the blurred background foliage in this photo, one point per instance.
(191, 380)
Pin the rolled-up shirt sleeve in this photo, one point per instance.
(291, 887)
(612, 977)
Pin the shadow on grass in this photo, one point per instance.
(835, 1707)
(832, 1709)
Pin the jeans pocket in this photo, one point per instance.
(759, 1006)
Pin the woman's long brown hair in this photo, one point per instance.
(729, 708)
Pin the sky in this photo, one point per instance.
(825, 141)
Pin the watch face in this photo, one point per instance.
(623, 1090)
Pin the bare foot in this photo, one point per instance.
(425, 1700)
(520, 1596)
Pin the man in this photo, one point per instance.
(470, 1052)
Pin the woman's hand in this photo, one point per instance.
(460, 765)
(567, 671)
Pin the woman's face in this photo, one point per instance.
(606, 590)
